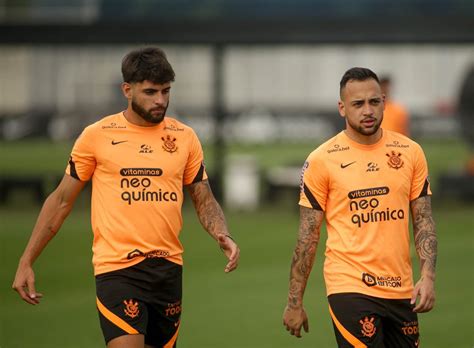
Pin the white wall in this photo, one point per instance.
(70, 77)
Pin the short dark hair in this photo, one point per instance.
(358, 74)
(147, 64)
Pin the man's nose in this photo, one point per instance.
(160, 99)
(368, 109)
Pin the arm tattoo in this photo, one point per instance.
(208, 210)
(424, 232)
(304, 254)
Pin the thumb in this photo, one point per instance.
(31, 289)
(306, 325)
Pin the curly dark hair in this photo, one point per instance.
(148, 64)
(358, 74)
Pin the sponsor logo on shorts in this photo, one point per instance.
(131, 308)
(169, 144)
(385, 281)
(394, 160)
(410, 328)
(368, 327)
(173, 309)
(150, 254)
(364, 205)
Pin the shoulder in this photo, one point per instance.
(333, 145)
(398, 140)
(173, 125)
(115, 121)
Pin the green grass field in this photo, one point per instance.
(237, 310)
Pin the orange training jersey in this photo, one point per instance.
(395, 118)
(365, 192)
(137, 175)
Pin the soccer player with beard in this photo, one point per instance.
(364, 182)
(139, 160)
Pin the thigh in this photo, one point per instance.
(401, 325)
(164, 306)
(357, 320)
(121, 306)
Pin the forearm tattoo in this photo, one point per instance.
(424, 232)
(304, 254)
(208, 210)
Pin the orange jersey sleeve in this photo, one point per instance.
(194, 170)
(420, 184)
(314, 182)
(365, 193)
(82, 162)
(138, 174)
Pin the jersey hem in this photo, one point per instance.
(115, 267)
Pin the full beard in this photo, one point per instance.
(148, 115)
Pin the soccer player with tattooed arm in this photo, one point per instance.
(139, 161)
(365, 182)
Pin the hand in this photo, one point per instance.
(294, 319)
(231, 250)
(424, 289)
(24, 284)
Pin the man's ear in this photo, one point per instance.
(127, 90)
(341, 108)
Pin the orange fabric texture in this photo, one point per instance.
(365, 192)
(395, 118)
(137, 175)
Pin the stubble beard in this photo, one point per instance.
(364, 131)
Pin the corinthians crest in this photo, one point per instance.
(131, 308)
(169, 144)
(368, 327)
(394, 160)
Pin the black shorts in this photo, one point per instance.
(142, 299)
(365, 321)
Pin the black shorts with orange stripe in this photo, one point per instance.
(142, 299)
(364, 321)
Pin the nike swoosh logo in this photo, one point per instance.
(347, 165)
(118, 142)
(177, 323)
